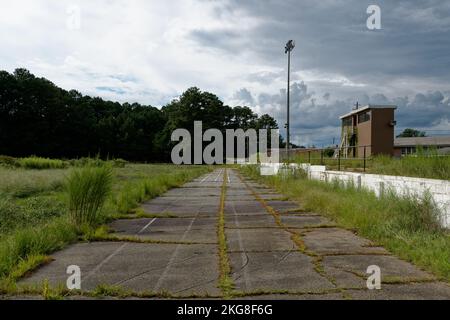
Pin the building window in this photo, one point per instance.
(347, 122)
(364, 117)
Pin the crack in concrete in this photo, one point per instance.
(317, 266)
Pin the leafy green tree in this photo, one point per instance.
(38, 118)
(411, 133)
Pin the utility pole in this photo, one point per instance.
(290, 45)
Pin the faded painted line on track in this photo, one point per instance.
(112, 255)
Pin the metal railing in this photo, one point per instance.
(357, 158)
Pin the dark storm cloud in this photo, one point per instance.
(332, 36)
(224, 40)
(411, 53)
(319, 123)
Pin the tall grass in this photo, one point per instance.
(407, 226)
(21, 183)
(41, 163)
(432, 166)
(424, 164)
(88, 189)
(33, 211)
(31, 241)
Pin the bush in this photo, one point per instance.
(329, 152)
(97, 162)
(119, 163)
(87, 190)
(41, 163)
(8, 161)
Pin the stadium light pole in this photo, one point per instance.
(290, 45)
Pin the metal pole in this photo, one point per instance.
(339, 160)
(288, 106)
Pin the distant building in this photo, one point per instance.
(368, 131)
(405, 146)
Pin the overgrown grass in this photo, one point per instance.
(88, 189)
(20, 183)
(31, 211)
(430, 166)
(35, 224)
(423, 164)
(41, 163)
(31, 241)
(408, 227)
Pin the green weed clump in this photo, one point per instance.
(97, 162)
(7, 161)
(41, 163)
(88, 189)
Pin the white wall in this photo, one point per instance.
(438, 189)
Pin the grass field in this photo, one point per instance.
(34, 208)
(408, 227)
(421, 165)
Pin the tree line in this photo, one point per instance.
(39, 118)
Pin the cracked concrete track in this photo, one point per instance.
(275, 251)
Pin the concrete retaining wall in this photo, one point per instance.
(438, 189)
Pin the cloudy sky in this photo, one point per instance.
(151, 51)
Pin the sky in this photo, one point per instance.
(152, 51)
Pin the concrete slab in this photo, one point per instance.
(275, 271)
(258, 240)
(267, 191)
(181, 202)
(292, 221)
(178, 269)
(187, 210)
(240, 198)
(217, 184)
(350, 271)
(334, 240)
(281, 206)
(199, 230)
(238, 192)
(255, 221)
(134, 226)
(244, 207)
(271, 196)
(193, 192)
